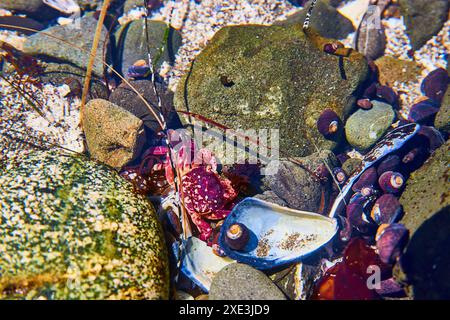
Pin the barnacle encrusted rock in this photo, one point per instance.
(73, 229)
(253, 77)
(426, 203)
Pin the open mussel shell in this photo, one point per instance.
(391, 142)
(277, 235)
(200, 264)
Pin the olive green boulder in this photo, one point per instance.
(74, 229)
(365, 127)
(426, 202)
(272, 77)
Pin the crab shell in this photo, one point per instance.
(205, 192)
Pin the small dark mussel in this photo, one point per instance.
(139, 70)
(391, 240)
(433, 137)
(370, 92)
(367, 179)
(418, 149)
(391, 182)
(388, 95)
(435, 84)
(358, 212)
(387, 209)
(237, 236)
(339, 175)
(390, 163)
(329, 124)
(423, 112)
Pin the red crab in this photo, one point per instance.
(206, 196)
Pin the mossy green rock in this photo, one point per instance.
(254, 77)
(442, 120)
(132, 43)
(365, 127)
(73, 229)
(426, 203)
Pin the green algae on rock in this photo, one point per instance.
(442, 120)
(257, 77)
(73, 229)
(426, 203)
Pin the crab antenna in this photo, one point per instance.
(308, 15)
(177, 181)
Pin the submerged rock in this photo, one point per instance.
(326, 20)
(423, 19)
(365, 127)
(114, 136)
(395, 70)
(426, 203)
(126, 98)
(73, 229)
(254, 77)
(49, 48)
(297, 186)
(239, 281)
(33, 8)
(132, 45)
(64, 73)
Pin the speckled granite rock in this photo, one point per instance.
(239, 281)
(426, 202)
(251, 77)
(49, 48)
(73, 229)
(114, 135)
(365, 127)
(423, 19)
